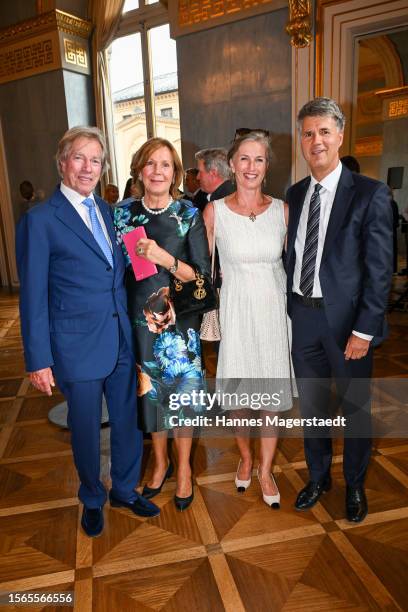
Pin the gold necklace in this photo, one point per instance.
(252, 216)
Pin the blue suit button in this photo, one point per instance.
(115, 315)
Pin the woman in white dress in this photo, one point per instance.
(254, 357)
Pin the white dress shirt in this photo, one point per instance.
(327, 195)
(76, 199)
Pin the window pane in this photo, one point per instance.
(130, 5)
(164, 68)
(126, 77)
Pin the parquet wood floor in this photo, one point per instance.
(229, 551)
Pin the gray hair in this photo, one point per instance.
(321, 107)
(215, 159)
(66, 142)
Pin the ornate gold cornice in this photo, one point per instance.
(44, 23)
(187, 16)
(299, 27)
(50, 41)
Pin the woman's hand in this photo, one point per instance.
(150, 250)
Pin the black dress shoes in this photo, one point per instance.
(149, 492)
(182, 503)
(356, 504)
(311, 493)
(92, 521)
(139, 506)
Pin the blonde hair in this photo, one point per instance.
(140, 159)
(253, 137)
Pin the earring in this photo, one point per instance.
(139, 178)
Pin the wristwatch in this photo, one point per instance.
(173, 268)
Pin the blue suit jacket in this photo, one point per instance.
(70, 298)
(356, 268)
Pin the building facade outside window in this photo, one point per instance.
(144, 85)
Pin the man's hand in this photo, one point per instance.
(356, 347)
(42, 380)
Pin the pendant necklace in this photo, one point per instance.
(251, 216)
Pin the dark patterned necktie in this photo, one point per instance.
(310, 250)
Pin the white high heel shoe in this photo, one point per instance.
(270, 500)
(242, 485)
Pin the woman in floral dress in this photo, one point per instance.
(168, 355)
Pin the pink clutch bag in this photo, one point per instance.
(141, 267)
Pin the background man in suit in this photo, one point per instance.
(193, 191)
(75, 326)
(214, 173)
(339, 268)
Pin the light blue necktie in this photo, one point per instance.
(97, 230)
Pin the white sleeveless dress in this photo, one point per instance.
(255, 329)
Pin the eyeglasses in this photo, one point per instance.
(244, 131)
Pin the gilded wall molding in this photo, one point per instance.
(46, 22)
(299, 27)
(394, 102)
(29, 57)
(188, 16)
(47, 42)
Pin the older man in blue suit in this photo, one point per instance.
(339, 268)
(75, 325)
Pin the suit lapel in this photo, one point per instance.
(67, 214)
(342, 201)
(295, 209)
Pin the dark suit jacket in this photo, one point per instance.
(356, 268)
(70, 298)
(200, 199)
(225, 189)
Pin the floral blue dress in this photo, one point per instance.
(167, 348)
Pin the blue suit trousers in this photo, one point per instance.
(84, 420)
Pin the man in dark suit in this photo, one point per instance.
(339, 268)
(214, 173)
(193, 191)
(75, 325)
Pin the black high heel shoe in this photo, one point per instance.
(182, 503)
(149, 492)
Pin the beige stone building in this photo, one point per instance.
(130, 120)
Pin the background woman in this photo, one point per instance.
(168, 352)
(250, 230)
